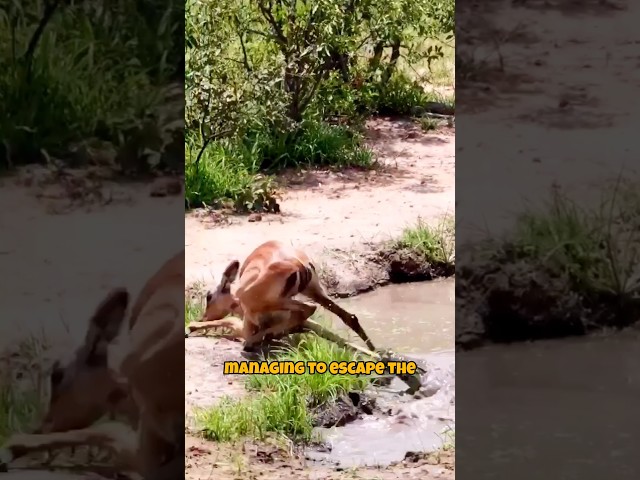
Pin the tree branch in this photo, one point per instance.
(49, 10)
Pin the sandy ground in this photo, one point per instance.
(334, 214)
(56, 268)
(560, 112)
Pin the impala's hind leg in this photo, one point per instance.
(290, 322)
(277, 320)
(316, 293)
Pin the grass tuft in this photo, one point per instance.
(238, 173)
(22, 378)
(434, 243)
(597, 248)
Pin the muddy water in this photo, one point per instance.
(545, 390)
(410, 424)
(408, 318)
(413, 319)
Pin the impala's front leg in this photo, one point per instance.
(115, 437)
(316, 293)
(232, 323)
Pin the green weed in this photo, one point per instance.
(434, 243)
(193, 311)
(226, 175)
(21, 386)
(74, 85)
(238, 174)
(597, 248)
(312, 144)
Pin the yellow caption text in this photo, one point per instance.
(333, 368)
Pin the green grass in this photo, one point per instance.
(436, 243)
(20, 400)
(281, 405)
(449, 439)
(224, 174)
(314, 144)
(17, 411)
(598, 248)
(78, 86)
(192, 312)
(238, 174)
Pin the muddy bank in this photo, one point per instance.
(250, 460)
(376, 265)
(508, 298)
(339, 217)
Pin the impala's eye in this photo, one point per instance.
(209, 297)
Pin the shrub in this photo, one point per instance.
(70, 83)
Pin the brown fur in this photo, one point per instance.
(150, 390)
(262, 287)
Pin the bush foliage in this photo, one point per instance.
(74, 71)
(272, 84)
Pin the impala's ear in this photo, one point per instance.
(105, 325)
(229, 276)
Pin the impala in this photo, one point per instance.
(138, 370)
(261, 292)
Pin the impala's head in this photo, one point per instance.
(83, 388)
(221, 302)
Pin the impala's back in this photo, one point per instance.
(273, 270)
(151, 356)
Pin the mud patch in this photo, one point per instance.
(345, 409)
(510, 299)
(205, 383)
(251, 460)
(348, 273)
(399, 423)
(406, 265)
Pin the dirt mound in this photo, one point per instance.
(345, 409)
(508, 299)
(405, 265)
(376, 265)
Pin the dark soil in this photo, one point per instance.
(344, 410)
(406, 265)
(381, 265)
(508, 299)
